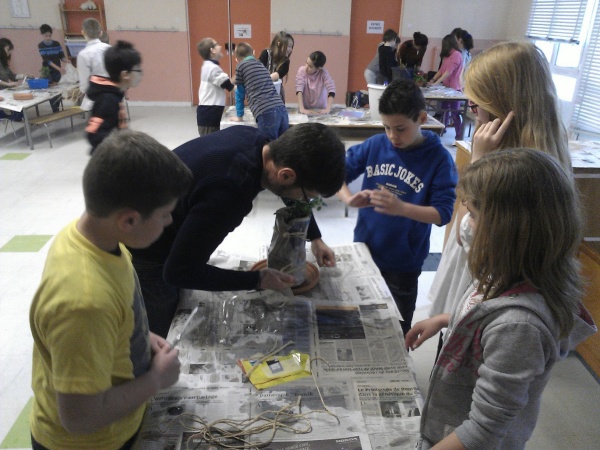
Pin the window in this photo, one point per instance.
(586, 114)
(562, 30)
(556, 20)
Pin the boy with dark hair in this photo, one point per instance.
(122, 63)
(52, 54)
(90, 60)
(409, 182)
(231, 167)
(213, 82)
(94, 362)
(253, 80)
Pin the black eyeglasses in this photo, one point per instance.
(473, 107)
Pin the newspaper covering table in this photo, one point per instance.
(348, 324)
(345, 120)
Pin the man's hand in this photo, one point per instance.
(274, 279)
(237, 119)
(323, 253)
(488, 136)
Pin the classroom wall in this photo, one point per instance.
(315, 25)
(159, 29)
(488, 22)
(363, 45)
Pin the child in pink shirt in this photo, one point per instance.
(315, 88)
(449, 75)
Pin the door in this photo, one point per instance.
(212, 19)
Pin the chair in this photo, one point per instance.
(8, 116)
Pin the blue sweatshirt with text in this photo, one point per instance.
(424, 175)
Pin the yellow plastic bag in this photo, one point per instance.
(276, 369)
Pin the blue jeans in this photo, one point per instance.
(273, 122)
(404, 288)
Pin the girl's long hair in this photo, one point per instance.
(448, 44)
(515, 76)
(4, 58)
(529, 228)
(279, 46)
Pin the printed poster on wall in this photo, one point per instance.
(243, 31)
(374, 26)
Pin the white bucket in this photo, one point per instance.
(277, 86)
(375, 91)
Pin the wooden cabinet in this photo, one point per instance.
(72, 17)
(585, 157)
(590, 268)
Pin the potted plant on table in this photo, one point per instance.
(420, 78)
(287, 252)
(45, 72)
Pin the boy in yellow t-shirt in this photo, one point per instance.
(95, 364)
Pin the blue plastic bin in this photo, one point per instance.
(38, 83)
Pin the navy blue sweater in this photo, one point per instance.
(227, 168)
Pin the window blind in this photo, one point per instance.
(556, 20)
(586, 113)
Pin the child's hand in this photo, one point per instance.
(157, 342)
(237, 119)
(488, 136)
(165, 366)
(361, 199)
(423, 330)
(386, 202)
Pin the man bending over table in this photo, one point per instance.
(230, 168)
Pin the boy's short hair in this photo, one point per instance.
(130, 169)
(205, 46)
(243, 50)
(45, 28)
(318, 58)
(91, 27)
(390, 35)
(315, 152)
(402, 97)
(121, 57)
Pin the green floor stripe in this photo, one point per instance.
(15, 156)
(26, 243)
(19, 435)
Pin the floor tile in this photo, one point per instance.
(15, 156)
(25, 243)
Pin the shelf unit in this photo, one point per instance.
(72, 17)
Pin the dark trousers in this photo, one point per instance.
(160, 298)
(404, 288)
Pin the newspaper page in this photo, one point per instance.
(361, 394)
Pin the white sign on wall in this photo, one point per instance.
(243, 31)
(374, 26)
(19, 8)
